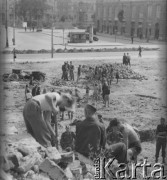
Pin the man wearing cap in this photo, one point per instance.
(90, 134)
(37, 122)
(161, 136)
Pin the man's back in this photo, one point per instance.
(89, 136)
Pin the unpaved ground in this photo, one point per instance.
(142, 112)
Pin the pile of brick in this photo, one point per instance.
(61, 82)
(28, 160)
(125, 72)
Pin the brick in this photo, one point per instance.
(31, 160)
(5, 176)
(67, 157)
(53, 170)
(53, 154)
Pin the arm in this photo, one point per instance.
(50, 100)
(50, 128)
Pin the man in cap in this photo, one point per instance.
(90, 134)
(37, 122)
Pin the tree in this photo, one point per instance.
(31, 9)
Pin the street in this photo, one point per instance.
(42, 40)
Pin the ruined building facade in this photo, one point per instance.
(137, 18)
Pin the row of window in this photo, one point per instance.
(109, 11)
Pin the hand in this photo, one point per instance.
(55, 110)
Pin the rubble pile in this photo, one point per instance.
(61, 82)
(125, 72)
(18, 75)
(29, 160)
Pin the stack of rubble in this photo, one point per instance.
(61, 82)
(30, 161)
(125, 72)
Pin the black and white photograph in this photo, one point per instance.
(83, 89)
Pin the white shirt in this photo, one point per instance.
(45, 106)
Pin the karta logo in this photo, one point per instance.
(104, 169)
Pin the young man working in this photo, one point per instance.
(37, 115)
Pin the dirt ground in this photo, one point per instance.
(141, 112)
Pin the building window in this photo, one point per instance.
(110, 12)
(116, 13)
(133, 12)
(149, 11)
(158, 11)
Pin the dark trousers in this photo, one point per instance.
(160, 144)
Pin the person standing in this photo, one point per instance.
(128, 59)
(71, 69)
(79, 72)
(117, 76)
(28, 95)
(132, 39)
(140, 50)
(34, 89)
(90, 134)
(63, 71)
(124, 59)
(106, 94)
(14, 54)
(161, 138)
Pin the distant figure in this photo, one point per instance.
(96, 93)
(14, 54)
(128, 59)
(79, 72)
(161, 137)
(106, 94)
(44, 91)
(25, 28)
(124, 59)
(87, 92)
(132, 39)
(38, 91)
(67, 139)
(71, 69)
(28, 95)
(117, 76)
(33, 28)
(34, 89)
(140, 50)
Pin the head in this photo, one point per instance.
(162, 120)
(28, 90)
(114, 123)
(70, 62)
(89, 110)
(44, 91)
(67, 101)
(67, 128)
(99, 116)
(127, 53)
(26, 85)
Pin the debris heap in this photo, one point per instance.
(125, 72)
